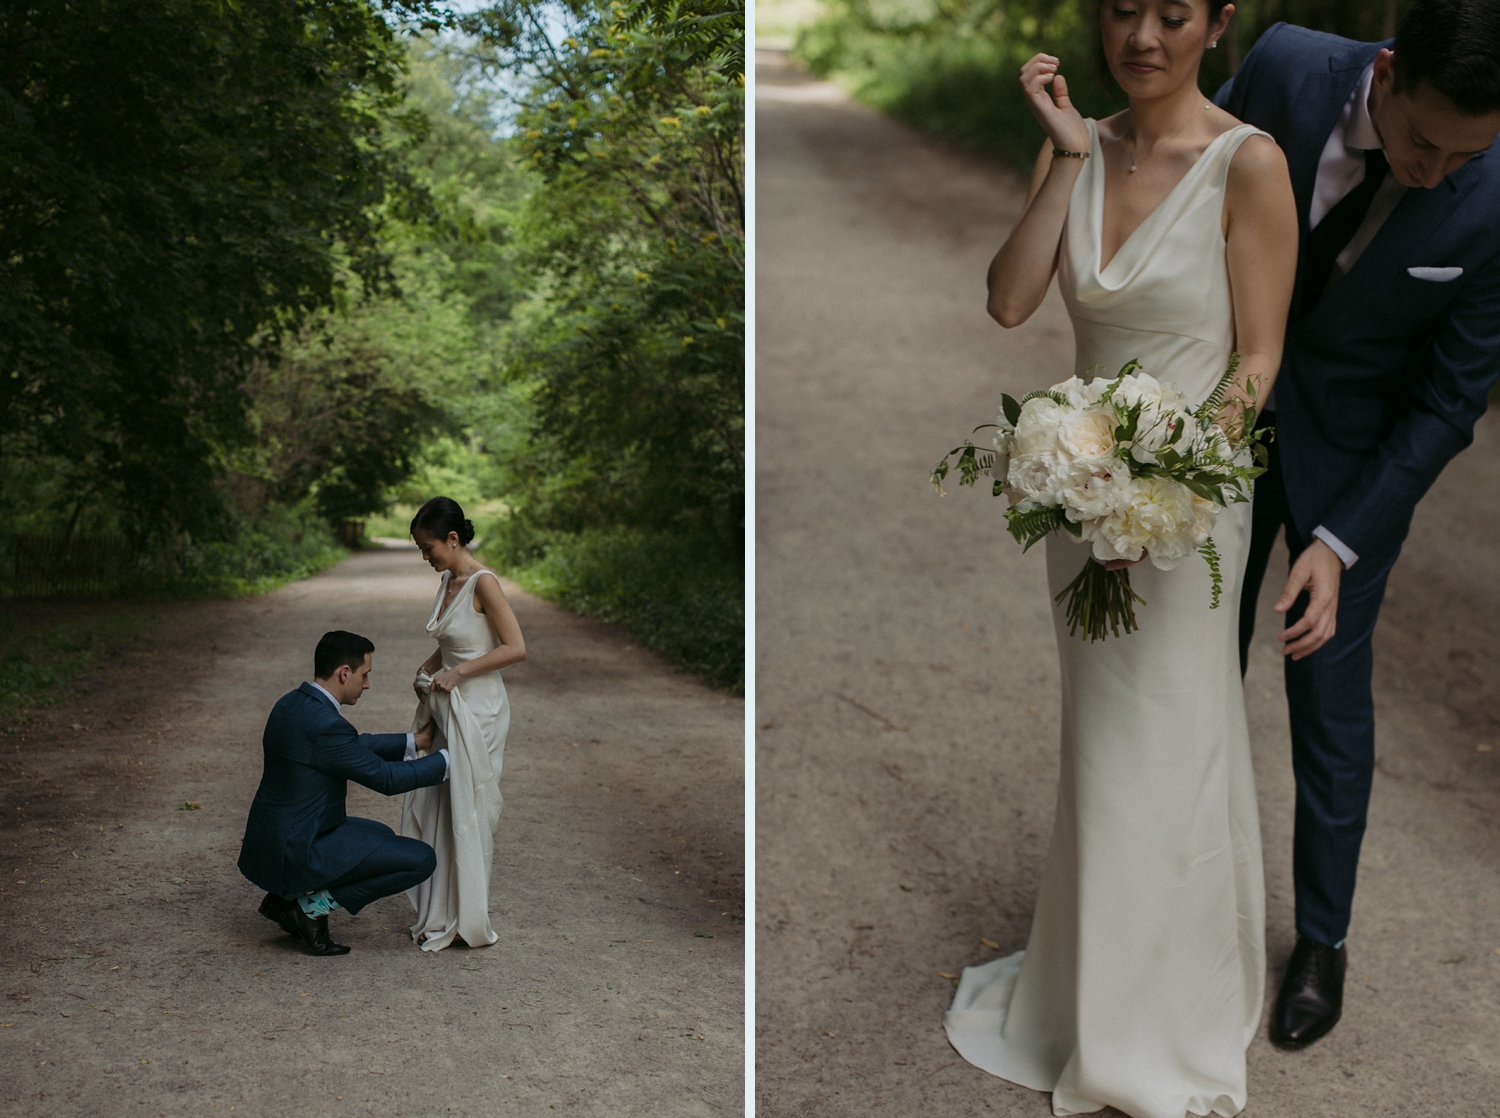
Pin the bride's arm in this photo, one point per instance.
(1260, 232)
(510, 647)
(1022, 270)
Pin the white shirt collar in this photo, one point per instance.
(337, 706)
(1359, 131)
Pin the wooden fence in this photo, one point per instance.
(83, 566)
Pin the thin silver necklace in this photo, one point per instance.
(1134, 162)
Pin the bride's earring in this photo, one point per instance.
(1213, 45)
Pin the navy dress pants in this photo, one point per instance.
(1332, 711)
(394, 866)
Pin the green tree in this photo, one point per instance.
(180, 182)
(634, 345)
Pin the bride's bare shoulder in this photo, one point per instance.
(1258, 163)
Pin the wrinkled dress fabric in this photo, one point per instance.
(458, 818)
(1142, 979)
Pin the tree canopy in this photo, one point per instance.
(180, 182)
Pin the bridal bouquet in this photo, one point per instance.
(1125, 465)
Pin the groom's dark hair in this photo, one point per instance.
(339, 649)
(1454, 47)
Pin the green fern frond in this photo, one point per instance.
(1210, 555)
(1030, 526)
(1211, 405)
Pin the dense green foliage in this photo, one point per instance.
(179, 180)
(952, 68)
(272, 266)
(634, 352)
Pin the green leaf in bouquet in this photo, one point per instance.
(1012, 409)
(1207, 490)
(1031, 526)
(1074, 528)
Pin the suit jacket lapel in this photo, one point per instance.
(1322, 98)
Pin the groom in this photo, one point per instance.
(1392, 345)
(299, 845)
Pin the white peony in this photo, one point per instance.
(1038, 477)
(1082, 393)
(1159, 518)
(1036, 430)
(1093, 488)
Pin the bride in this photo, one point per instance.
(1172, 231)
(460, 689)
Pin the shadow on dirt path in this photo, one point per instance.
(907, 675)
(138, 977)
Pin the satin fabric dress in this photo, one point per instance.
(1142, 980)
(458, 818)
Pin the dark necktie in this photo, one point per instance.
(1338, 227)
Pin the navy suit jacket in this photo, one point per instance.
(296, 839)
(1382, 382)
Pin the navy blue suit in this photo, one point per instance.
(298, 837)
(1381, 384)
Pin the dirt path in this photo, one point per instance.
(139, 978)
(908, 682)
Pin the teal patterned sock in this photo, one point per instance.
(317, 904)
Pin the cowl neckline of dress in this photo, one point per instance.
(441, 614)
(1144, 237)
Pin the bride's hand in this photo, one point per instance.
(445, 681)
(1122, 564)
(1053, 111)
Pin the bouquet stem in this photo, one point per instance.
(1100, 601)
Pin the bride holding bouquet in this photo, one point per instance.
(1172, 232)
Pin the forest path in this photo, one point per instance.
(908, 688)
(138, 976)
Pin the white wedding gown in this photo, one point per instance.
(1142, 980)
(458, 818)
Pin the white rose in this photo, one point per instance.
(1087, 434)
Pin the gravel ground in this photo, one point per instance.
(907, 704)
(138, 977)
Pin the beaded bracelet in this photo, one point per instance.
(1070, 154)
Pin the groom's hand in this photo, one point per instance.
(424, 736)
(1317, 571)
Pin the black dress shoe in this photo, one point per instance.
(314, 933)
(276, 908)
(1312, 994)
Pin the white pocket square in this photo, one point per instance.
(1436, 275)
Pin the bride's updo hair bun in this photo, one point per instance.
(440, 516)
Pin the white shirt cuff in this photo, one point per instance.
(1346, 557)
(446, 765)
(411, 748)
